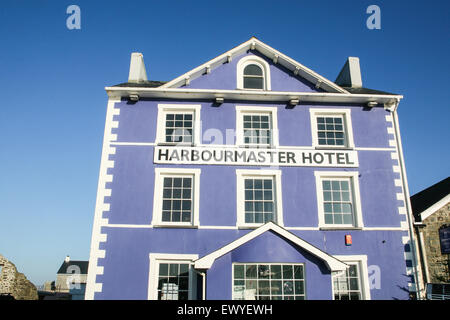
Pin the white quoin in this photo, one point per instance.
(137, 68)
(350, 75)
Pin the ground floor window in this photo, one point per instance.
(347, 284)
(258, 281)
(172, 277)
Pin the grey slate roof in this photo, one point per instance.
(83, 265)
(155, 84)
(367, 91)
(424, 199)
(144, 84)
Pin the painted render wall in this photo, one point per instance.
(132, 187)
(126, 262)
(126, 272)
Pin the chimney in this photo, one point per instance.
(67, 259)
(350, 75)
(137, 68)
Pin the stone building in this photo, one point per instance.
(71, 278)
(15, 283)
(431, 208)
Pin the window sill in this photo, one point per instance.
(339, 228)
(175, 226)
(252, 227)
(175, 144)
(333, 148)
(256, 146)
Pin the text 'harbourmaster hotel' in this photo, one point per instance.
(251, 177)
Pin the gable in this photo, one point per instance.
(273, 248)
(428, 201)
(288, 72)
(225, 77)
(331, 262)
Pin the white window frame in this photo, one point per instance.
(256, 110)
(245, 61)
(348, 129)
(356, 200)
(160, 173)
(163, 109)
(241, 174)
(361, 260)
(157, 258)
(233, 295)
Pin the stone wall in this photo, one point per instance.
(437, 263)
(15, 283)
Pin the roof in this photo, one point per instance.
(143, 84)
(334, 93)
(83, 265)
(332, 263)
(367, 91)
(428, 201)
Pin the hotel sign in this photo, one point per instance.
(255, 156)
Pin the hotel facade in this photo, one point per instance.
(252, 177)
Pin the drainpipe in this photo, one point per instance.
(422, 253)
(203, 275)
(407, 200)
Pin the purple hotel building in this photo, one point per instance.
(252, 177)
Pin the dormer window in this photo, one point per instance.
(253, 74)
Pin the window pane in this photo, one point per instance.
(253, 69)
(329, 219)
(253, 83)
(276, 287)
(288, 287)
(163, 269)
(275, 271)
(251, 271)
(186, 217)
(264, 287)
(299, 287)
(298, 272)
(166, 216)
(238, 272)
(348, 219)
(287, 272)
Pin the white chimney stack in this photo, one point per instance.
(350, 75)
(137, 68)
(67, 259)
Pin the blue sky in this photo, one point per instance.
(53, 101)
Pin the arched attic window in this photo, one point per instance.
(253, 77)
(253, 74)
